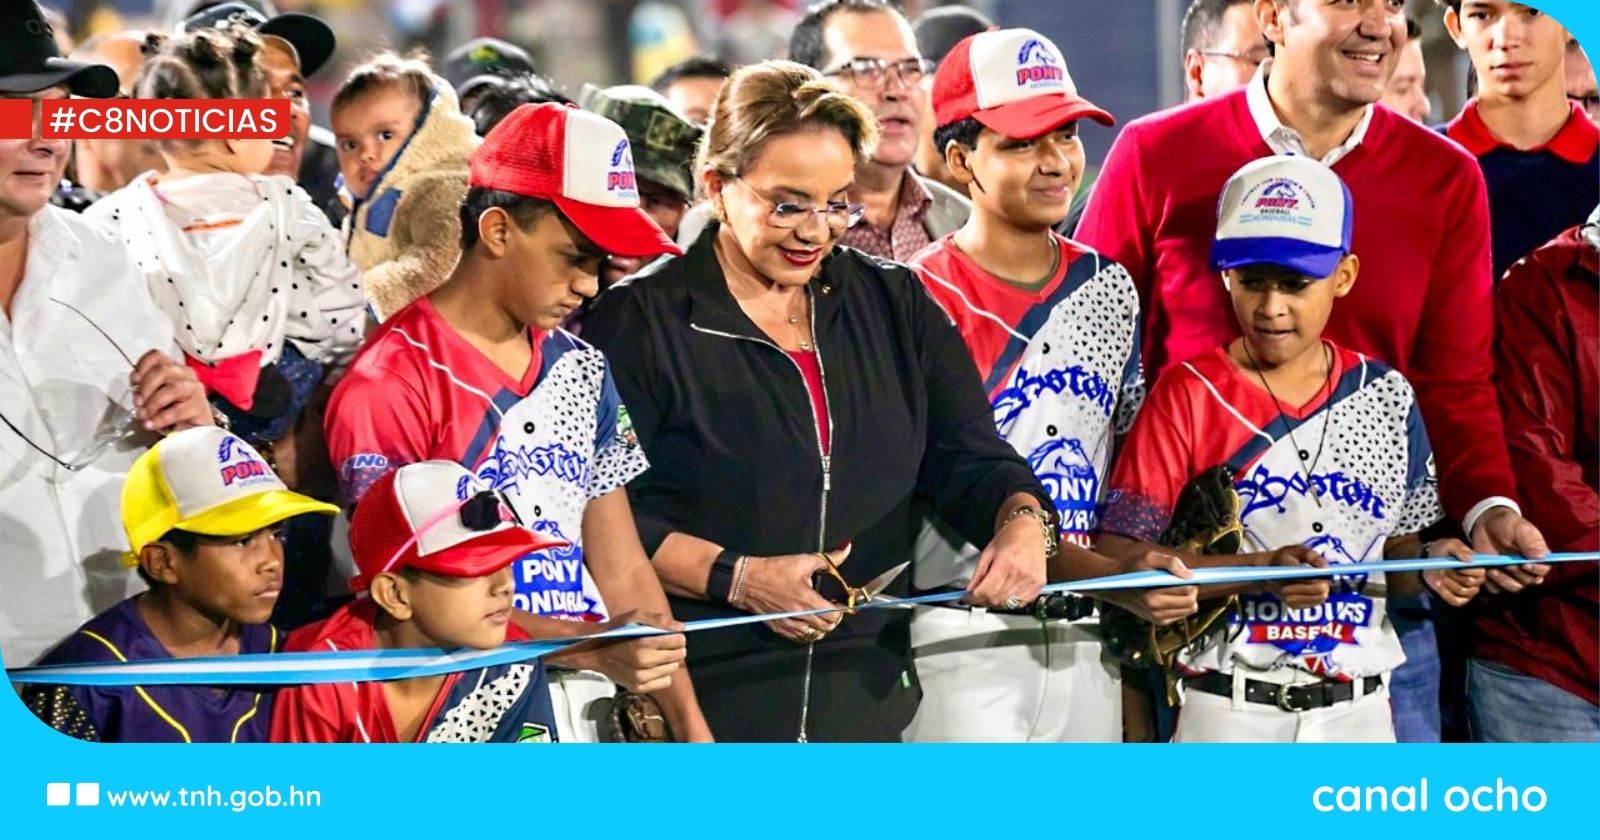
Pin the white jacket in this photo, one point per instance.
(274, 271)
(61, 534)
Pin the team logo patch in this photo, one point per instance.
(550, 581)
(1279, 201)
(533, 733)
(486, 55)
(1311, 632)
(239, 464)
(620, 177)
(360, 470)
(1037, 65)
(1068, 473)
(625, 427)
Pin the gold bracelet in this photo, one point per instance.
(1052, 540)
(743, 564)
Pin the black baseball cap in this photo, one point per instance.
(939, 29)
(311, 38)
(31, 62)
(469, 63)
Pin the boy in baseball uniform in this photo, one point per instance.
(1330, 462)
(1054, 329)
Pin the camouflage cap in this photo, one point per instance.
(664, 141)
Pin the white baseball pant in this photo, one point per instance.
(1210, 718)
(582, 702)
(1012, 678)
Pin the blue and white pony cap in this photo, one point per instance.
(1285, 210)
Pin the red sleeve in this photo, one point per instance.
(1538, 393)
(1157, 458)
(307, 714)
(1115, 221)
(375, 422)
(1452, 364)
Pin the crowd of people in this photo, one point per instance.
(481, 362)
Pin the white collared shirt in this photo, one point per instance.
(1283, 140)
(61, 534)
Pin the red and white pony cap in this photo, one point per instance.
(1013, 81)
(579, 161)
(438, 517)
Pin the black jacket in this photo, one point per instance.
(726, 420)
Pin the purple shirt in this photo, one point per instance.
(156, 713)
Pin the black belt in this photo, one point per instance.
(1290, 698)
(1064, 606)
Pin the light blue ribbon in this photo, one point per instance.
(360, 666)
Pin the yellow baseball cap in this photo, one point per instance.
(206, 481)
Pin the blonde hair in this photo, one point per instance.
(774, 98)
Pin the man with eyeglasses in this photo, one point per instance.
(1222, 47)
(86, 379)
(868, 49)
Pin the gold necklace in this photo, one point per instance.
(794, 320)
(802, 332)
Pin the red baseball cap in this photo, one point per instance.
(579, 161)
(1011, 80)
(438, 517)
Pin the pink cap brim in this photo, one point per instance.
(619, 231)
(1039, 115)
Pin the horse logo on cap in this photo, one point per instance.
(237, 464)
(1036, 62)
(1280, 194)
(621, 176)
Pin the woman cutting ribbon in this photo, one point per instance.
(797, 400)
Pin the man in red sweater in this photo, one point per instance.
(1422, 231)
(1535, 668)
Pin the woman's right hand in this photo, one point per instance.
(783, 584)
